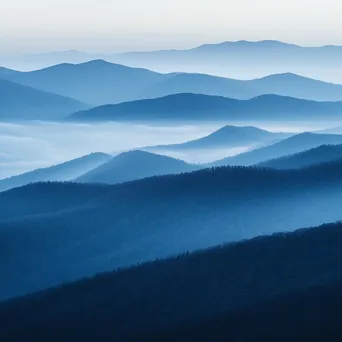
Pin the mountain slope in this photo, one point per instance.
(318, 155)
(21, 102)
(134, 165)
(96, 82)
(286, 84)
(312, 314)
(294, 144)
(224, 284)
(62, 172)
(82, 230)
(228, 137)
(4, 72)
(204, 107)
(293, 85)
(99, 82)
(229, 59)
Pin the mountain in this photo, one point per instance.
(234, 289)
(56, 233)
(203, 107)
(134, 165)
(99, 82)
(6, 72)
(292, 85)
(294, 144)
(96, 82)
(178, 83)
(318, 155)
(227, 137)
(36, 61)
(47, 198)
(229, 59)
(296, 312)
(285, 84)
(21, 102)
(62, 172)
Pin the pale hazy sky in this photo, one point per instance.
(112, 25)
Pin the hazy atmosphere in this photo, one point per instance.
(170, 171)
(114, 25)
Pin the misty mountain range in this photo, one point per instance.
(294, 144)
(125, 224)
(243, 60)
(317, 155)
(24, 103)
(135, 165)
(205, 251)
(276, 148)
(99, 82)
(195, 107)
(240, 60)
(227, 137)
(67, 171)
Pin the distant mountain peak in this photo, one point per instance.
(137, 154)
(97, 62)
(230, 128)
(247, 43)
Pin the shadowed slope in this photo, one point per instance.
(62, 172)
(202, 292)
(135, 165)
(19, 102)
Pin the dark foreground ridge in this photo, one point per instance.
(269, 287)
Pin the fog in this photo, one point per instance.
(27, 146)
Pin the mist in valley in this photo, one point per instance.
(25, 146)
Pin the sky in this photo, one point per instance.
(125, 25)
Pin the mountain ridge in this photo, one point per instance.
(34, 103)
(188, 106)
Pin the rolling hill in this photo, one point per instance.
(55, 233)
(62, 172)
(230, 291)
(96, 82)
(318, 155)
(194, 107)
(294, 144)
(135, 165)
(25, 103)
(99, 82)
(227, 137)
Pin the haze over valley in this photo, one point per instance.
(170, 172)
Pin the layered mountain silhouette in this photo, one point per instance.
(318, 155)
(99, 82)
(62, 172)
(285, 84)
(135, 165)
(96, 82)
(21, 102)
(227, 293)
(294, 144)
(58, 232)
(243, 60)
(203, 107)
(227, 137)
